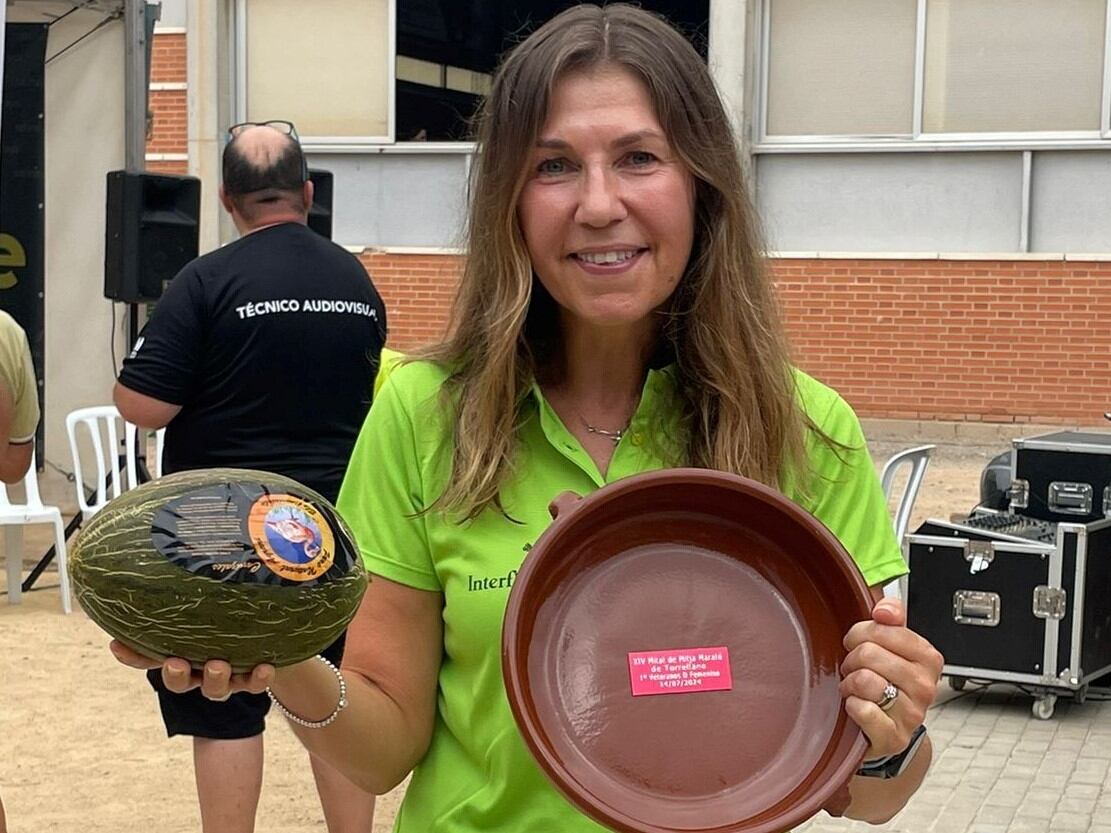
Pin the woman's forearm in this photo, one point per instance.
(876, 800)
(371, 741)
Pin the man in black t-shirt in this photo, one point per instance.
(262, 355)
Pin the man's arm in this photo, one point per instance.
(19, 404)
(145, 411)
(158, 375)
(15, 458)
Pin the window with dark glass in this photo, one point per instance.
(447, 51)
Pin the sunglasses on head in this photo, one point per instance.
(282, 126)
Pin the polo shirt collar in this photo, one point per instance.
(635, 452)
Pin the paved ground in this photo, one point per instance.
(998, 769)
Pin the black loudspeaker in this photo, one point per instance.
(320, 214)
(151, 231)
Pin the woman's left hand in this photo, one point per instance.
(216, 680)
(883, 651)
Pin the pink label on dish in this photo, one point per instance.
(680, 671)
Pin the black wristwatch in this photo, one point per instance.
(894, 765)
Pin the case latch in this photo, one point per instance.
(979, 554)
(1018, 493)
(1107, 501)
(976, 607)
(1070, 498)
(1049, 602)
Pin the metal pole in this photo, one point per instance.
(135, 85)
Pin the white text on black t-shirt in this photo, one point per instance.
(256, 308)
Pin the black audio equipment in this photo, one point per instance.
(151, 231)
(1010, 598)
(320, 214)
(1063, 476)
(1016, 526)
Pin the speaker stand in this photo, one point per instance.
(132, 326)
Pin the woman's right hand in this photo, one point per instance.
(216, 681)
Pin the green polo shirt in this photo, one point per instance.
(478, 775)
(386, 363)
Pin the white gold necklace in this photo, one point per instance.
(612, 436)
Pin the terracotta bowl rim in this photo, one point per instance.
(515, 652)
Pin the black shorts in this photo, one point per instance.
(240, 716)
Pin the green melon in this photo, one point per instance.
(245, 566)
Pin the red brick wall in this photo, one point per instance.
(168, 106)
(167, 62)
(168, 166)
(418, 291)
(977, 341)
(169, 135)
(981, 341)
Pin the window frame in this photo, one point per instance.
(917, 139)
(1105, 108)
(324, 144)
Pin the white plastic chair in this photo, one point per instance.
(916, 460)
(32, 511)
(132, 448)
(102, 425)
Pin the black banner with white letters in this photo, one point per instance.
(22, 187)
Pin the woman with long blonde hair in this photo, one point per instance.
(614, 317)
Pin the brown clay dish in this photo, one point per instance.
(686, 559)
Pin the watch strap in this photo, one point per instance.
(893, 765)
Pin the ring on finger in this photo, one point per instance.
(887, 700)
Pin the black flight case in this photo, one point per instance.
(1015, 599)
(1063, 476)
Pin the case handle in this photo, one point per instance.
(976, 607)
(1070, 498)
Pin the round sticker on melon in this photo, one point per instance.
(291, 537)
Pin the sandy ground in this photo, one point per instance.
(82, 747)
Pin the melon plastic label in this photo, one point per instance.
(680, 671)
(243, 532)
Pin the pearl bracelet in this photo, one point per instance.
(315, 724)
